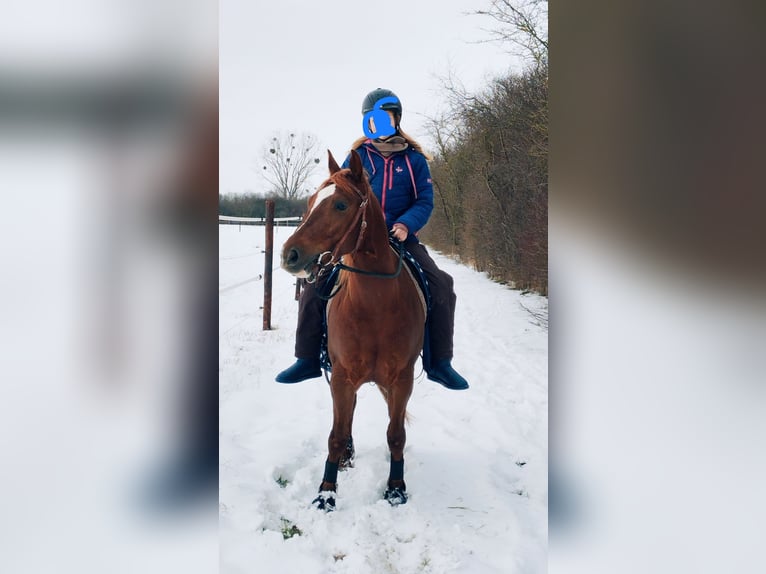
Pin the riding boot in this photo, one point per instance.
(308, 338)
(443, 373)
(301, 370)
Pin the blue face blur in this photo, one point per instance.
(378, 123)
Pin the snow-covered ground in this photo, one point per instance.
(475, 460)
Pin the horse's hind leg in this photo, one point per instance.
(343, 399)
(397, 398)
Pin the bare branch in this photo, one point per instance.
(523, 23)
(540, 316)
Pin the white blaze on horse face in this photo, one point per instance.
(323, 194)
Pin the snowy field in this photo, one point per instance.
(475, 460)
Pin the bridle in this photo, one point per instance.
(335, 258)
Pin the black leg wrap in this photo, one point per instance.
(397, 470)
(330, 472)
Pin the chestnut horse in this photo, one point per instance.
(375, 320)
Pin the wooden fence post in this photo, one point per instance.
(268, 264)
(298, 285)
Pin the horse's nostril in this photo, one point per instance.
(292, 256)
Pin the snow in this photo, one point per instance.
(475, 460)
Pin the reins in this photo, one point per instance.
(374, 273)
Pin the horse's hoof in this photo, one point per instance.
(325, 501)
(395, 496)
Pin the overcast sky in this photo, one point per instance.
(305, 66)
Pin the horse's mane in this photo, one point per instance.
(408, 138)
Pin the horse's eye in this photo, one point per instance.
(340, 206)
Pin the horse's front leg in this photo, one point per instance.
(347, 459)
(397, 396)
(343, 399)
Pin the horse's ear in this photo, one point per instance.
(355, 163)
(332, 164)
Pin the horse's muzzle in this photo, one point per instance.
(293, 261)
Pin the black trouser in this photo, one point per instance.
(441, 323)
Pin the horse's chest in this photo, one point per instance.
(359, 325)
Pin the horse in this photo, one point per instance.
(375, 319)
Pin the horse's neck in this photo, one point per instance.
(374, 253)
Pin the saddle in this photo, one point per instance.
(328, 289)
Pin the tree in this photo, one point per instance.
(490, 174)
(289, 161)
(523, 23)
(253, 205)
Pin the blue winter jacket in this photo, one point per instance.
(402, 184)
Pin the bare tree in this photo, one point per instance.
(289, 161)
(523, 23)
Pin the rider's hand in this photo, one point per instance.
(400, 231)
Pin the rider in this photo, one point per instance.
(401, 180)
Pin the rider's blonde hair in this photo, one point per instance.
(409, 139)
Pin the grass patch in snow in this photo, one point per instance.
(289, 529)
(281, 481)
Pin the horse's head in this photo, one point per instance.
(334, 221)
